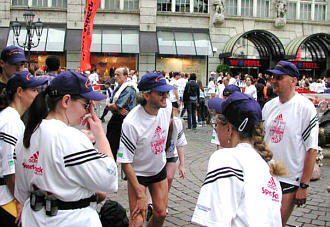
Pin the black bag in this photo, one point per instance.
(113, 214)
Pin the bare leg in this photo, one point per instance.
(287, 206)
(170, 169)
(137, 221)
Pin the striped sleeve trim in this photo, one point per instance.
(308, 130)
(82, 157)
(8, 138)
(128, 144)
(224, 172)
(180, 134)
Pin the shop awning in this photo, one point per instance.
(317, 44)
(115, 40)
(3, 37)
(52, 39)
(265, 42)
(184, 43)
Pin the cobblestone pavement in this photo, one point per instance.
(184, 192)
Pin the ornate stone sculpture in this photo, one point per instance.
(280, 6)
(219, 16)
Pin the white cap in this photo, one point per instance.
(213, 73)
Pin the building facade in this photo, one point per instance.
(181, 35)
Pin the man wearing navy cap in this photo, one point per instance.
(12, 61)
(291, 127)
(142, 150)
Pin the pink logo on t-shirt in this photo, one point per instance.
(158, 140)
(277, 129)
(272, 184)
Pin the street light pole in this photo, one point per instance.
(31, 28)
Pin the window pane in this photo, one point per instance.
(305, 11)
(40, 3)
(96, 40)
(292, 10)
(182, 6)
(164, 5)
(247, 8)
(130, 41)
(55, 41)
(166, 42)
(201, 6)
(185, 43)
(263, 8)
(203, 44)
(320, 12)
(59, 3)
(111, 41)
(111, 4)
(19, 2)
(231, 7)
(131, 4)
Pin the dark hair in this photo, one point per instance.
(6, 97)
(4, 55)
(192, 76)
(256, 136)
(39, 109)
(53, 63)
(200, 85)
(125, 71)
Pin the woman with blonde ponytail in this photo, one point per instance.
(240, 188)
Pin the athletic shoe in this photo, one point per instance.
(149, 214)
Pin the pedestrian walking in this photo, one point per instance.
(240, 188)
(108, 92)
(142, 150)
(21, 89)
(291, 127)
(58, 169)
(191, 100)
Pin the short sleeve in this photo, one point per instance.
(221, 192)
(87, 167)
(128, 141)
(311, 128)
(181, 140)
(125, 97)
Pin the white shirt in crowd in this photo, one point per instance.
(94, 78)
(238, 191)
(221, 87)
(11, 130)
(143, 140)
(172, 96)
(181, 86)
(67, 165)
(251, 90)
(232, 80)
(291, 129)
(178, 138)
(211, 87)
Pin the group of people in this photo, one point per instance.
(52, 174)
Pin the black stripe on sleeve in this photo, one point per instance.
(224, 172)
(86, 160)
(8, 138)
(128, 144)
(308, 130)
(79, 153)
(91, 153)
(180, 134)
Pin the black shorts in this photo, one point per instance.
(173, 159)
(146, 181)
(287, 188)
(175, 104)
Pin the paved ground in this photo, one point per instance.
(184, 193)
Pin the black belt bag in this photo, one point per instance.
(39, 199)
(2, 181)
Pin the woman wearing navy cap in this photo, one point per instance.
(20, 91)
(240, 188)
(58, 169)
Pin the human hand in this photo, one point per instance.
(19, 208)
(93, 123)
(141, 208)
(123, 111)
(301, 196)
(182, 171)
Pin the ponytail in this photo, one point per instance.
(6, 97)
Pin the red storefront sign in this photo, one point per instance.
(244, 62)
(306, 65)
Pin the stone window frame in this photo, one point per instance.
(189, 6)
(312, 13)
(41, 3)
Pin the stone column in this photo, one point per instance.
(5, 13)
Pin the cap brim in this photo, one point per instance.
(276, 72)
(215, 104)
(15, 60)
(37, 83)
(94, 95)
(163, 88)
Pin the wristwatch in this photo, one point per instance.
(303, 185)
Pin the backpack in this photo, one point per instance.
(113, 214)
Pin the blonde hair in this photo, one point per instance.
(256, 136)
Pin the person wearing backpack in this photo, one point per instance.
(191, 98)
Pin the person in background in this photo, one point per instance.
(230, 78)
(214, 106)
(191, 99)
(221, 87)
(201, 108)
(250, 89)
(108, 92)
(52, 67)
(291, 132)
(60, 188)
(211, 86)
(94, 77)
(21, 89)
(174, 94)
(240, 188)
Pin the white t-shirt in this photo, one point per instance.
(238, 191)
(291, 129)
(143, 140)
(11, 130)
(211, 87)
(178, 138)
(93, 78)
(232, 80)
(172, 96)
(66, 164)
(181, 85)
(214, 138)
(221, 87)
(251, 90)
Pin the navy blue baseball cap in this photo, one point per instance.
(74, 83)
(285, 68)
(230, 89)
(13, 54)
(154, 82)
(214, 104)
(242, 111)
(23, 79)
